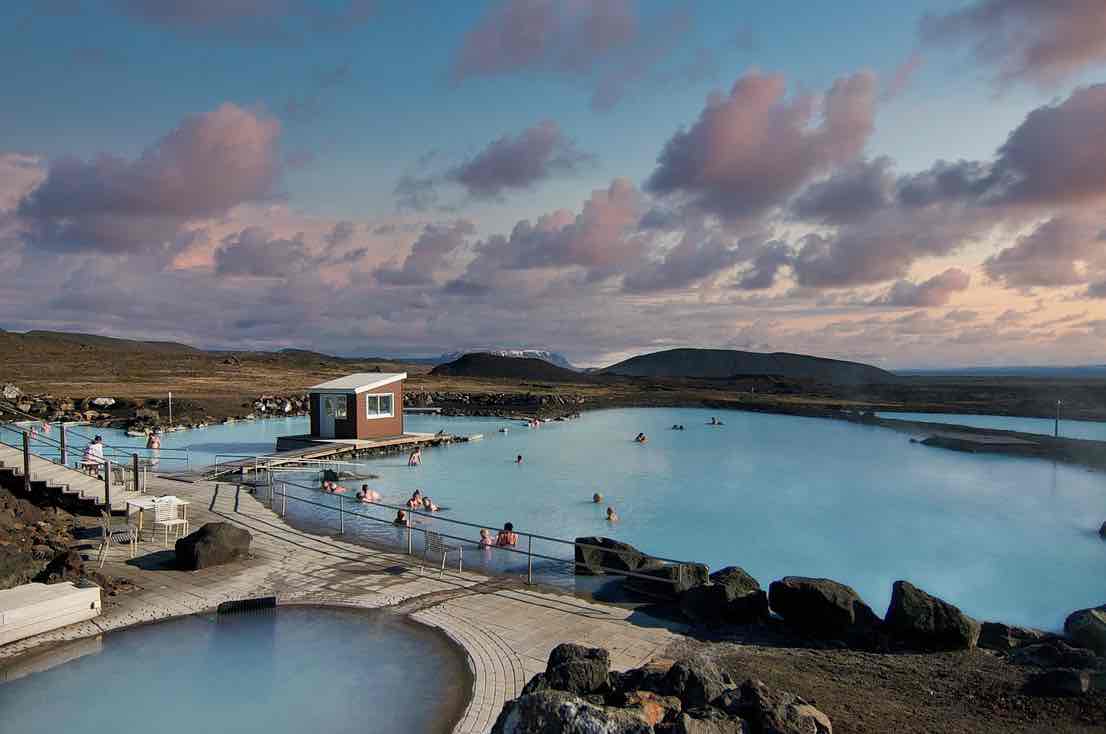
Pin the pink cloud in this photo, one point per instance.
(753, 148)
(1043, 41)
(432, 252)
(1062, 251)
(519, 161)
(207, 165)
(937, 291)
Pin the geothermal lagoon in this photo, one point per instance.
(1004, 538)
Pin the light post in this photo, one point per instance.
(1056, 432)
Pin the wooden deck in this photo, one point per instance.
(304, 448)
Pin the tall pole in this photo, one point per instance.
(107, 484)
(64, 458)
(170, 408)
(1057, 430)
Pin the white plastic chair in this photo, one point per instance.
(167, 516)
(114, 532)
(435, 544)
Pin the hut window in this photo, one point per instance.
(378, 405)
(335, 406)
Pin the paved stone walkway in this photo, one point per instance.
(506, 628)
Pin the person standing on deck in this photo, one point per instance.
(153, 443)
(93, 457)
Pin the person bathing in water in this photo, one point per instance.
(415, 458)
(415, 503)
(486, 538)
(331, 488)
(518, 459)
(597, 498)
(612, 516)
(401, 518)
(507, 536)
(640, 438)
(428, 505)
(367, 495)
(716, 422)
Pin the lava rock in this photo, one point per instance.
(11, 392)
(103, 402)
(1006, 638)
(822, 608)
(708, 721)
(577, 669)
(696, 682)
(667, 581)
(67, 566)
(596, 556)
(1102, 531)
(652, 707)
(554, 712)
(773, 712)
(926, 622)
(1054, 654)
(731, 597)
(214, 544)
(1087, 627)
(1059, 682)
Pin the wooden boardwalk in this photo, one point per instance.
(317, 450)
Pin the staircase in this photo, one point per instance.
(61, 479)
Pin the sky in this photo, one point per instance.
(913, 184)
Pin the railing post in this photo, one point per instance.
(341, 515)
(107, 484)
(410, 531)
(64, 458)
(530, 560)
(283, 500)
(26, 462)
(134, 470)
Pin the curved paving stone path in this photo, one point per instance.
(506, 628)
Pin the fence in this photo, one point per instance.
(68, 447)
(278, 501)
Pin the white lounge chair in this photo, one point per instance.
(167, 515)
(113, 531)
(435, 544)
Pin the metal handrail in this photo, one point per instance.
(529, 553)
(114, 451)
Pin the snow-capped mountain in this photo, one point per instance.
(551, 357)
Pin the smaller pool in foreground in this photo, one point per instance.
(296, 669)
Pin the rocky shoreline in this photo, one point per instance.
(829, 613)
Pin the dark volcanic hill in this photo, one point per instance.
(481, 364)
(724, 364)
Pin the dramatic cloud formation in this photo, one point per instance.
(1043, 41)
(430, 254)
(752, 149)
(519, 161)
(933, 292)
(852, 193)
(207, 165)
(1060, 252)
(698, 255)
(601, 239)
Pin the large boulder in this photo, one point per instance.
(695, 681)
(597, 556)
(924, 621)
(667, 581)
(731, 597)
(1059, 682)
(557, 712)
(651, 707)
(213, 544)
(1054, 653)
(822, 608)
(577, 669)
(1087, 627)
(1005, 637)
(773, 712)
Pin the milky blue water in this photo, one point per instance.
(1093, 430)
(294, 670)
(1004, 538)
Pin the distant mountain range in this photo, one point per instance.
(1090, 370)
(486, 364)
(721, 364)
